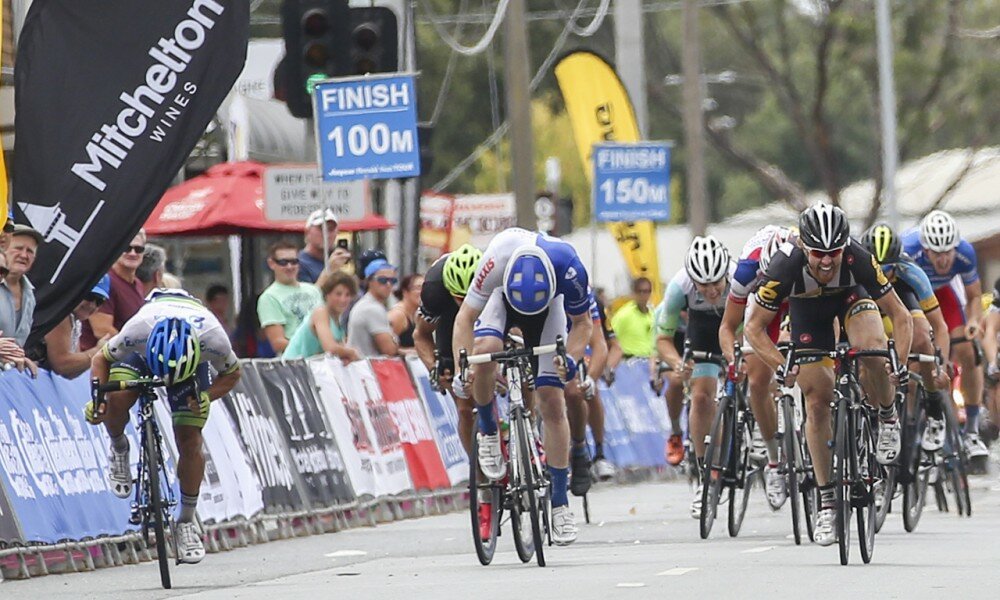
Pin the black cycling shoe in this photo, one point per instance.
(579, 483)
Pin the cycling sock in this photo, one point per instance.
(120, 444)
(935, 405)
(887, 414)
(560, 477)
(772, 450)
(487, 421)
(188, 506)
(579, 448)
(598, 450)
(971, 419)
(827, 496)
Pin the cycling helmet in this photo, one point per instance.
(161, 292)
(173, 351)
(824, 227)
(366, 257)
(707, 260)
(780, 237)
(460, 268)
(883, 243)
(938, 232)
(529, 280)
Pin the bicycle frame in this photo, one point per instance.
(141, 503)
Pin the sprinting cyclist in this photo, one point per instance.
(914, 289)
(944, 256)
(831, 282)
(175, 338)
(700, 289)
(750, 269)
(531, 281)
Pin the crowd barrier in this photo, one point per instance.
(297, 447)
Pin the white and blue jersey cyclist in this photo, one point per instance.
(533, 282)
(173, 337)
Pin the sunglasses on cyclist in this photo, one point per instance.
(135, 249)
(387, 280)
(819, 254)
(284, 262)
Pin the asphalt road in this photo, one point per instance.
(641, 544)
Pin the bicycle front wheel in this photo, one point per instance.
(841, 474)
(480, 487)
(956, 464)
(739, 493)
(868, 475)
(157, 507)
(716, 460)
(792, 461)
(530, 482)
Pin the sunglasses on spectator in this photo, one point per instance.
(387, 280)
(284, 262)
(135, 249)
(823, 253)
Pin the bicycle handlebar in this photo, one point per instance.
(121, 386)
(465, 359)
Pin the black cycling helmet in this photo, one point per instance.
(824, 227)
(881, 240)
(366, 257)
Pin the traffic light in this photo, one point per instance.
(374, 41)
(317, 47)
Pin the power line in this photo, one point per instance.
(483, 42)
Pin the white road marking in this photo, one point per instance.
(758, 549)
(631, 585)
(678, 571)
(340, 553)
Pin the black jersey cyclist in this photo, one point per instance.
(828, 277)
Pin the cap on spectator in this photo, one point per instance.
(316, 218)
(20, 229)
(103, 287)
(376, 266)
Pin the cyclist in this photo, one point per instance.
(175, 338)
(946, 258)
(827, 277)
(914, 289)
(700, 289)
(750, 269)
(531, 281)
(603, 468)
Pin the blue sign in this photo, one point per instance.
(366, 128)
(631, 181)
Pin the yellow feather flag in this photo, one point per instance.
(600, 111)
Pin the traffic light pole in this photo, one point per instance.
(519, 112)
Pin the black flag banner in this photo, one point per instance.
(111, 96)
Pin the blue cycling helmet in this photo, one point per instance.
(529, 281)
(173, 351)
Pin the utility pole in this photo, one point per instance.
(887, 110)
(517, 81)
(694, 126)
(630, 59)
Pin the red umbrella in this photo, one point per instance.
(229, 199)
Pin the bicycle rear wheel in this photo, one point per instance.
(792, 460)
(841, 474)
(915, 494)
(530, 481)
(479, 485)
(158, 511)
(716, 461)
(739, 493)
(957, 463)
(868, 474)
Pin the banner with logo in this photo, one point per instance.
(230, 489)
(407, 411)
(111, 96)
(617, 444)
(444, 422)
(54, 464)
(314, 455)
(263, 443)
(633, 397)
(600, 111)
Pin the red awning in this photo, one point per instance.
(228, 199)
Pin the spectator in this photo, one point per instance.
(287, 302)
(17, 294)
(218, 301)
(10, 351)
(8, 228)
(311, 258)
(150, 271)
(323, 331)
(62, 344)
(633, 322)
(127, 295)
(402, 316)
(368, 329)
(169, 280)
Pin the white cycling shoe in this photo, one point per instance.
(604, 470)
(491, 461)
(933, 439)
(190, 549)
(774, 487)
(119, 473)
(889, 443)
(696, 505)
(974, 446)
(825, 532)
(564, 529)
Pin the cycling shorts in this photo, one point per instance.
(498, 318)
(134, 366)
(951, 306)
(813, 318)
(703, 331)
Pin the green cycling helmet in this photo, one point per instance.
(460, 268)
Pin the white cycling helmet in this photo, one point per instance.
(938, 232)
(780, 237)
(707, 260)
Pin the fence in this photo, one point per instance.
(298, 447)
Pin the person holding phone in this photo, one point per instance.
(312, 261)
